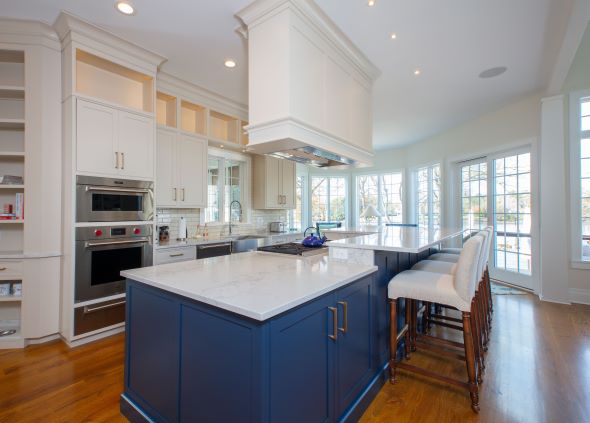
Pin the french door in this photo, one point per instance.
(496, 191)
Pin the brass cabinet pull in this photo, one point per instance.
(182, 190)
(2, 269)
(176, 255)
(344, 327)
(122, 160)
(174, 189)
(334, 335)
(116, 160)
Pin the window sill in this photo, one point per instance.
(580, 264)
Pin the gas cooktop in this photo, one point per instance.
(294, 248)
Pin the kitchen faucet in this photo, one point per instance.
(230, 209)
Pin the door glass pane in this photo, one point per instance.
(391, 197)
(232, 190)
(367, 189)
(512, 213)
(474, 192)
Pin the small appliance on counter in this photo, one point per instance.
(163, 234)
(279, 227)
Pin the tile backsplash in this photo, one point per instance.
(259, 220)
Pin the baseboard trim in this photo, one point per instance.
(357, 409)
(580, 296)
(132, 412)
(92, 338)
(552, 300)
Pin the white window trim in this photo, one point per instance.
(575, 134)
(245, 178)
(355, 217)
(413, 195)
(347, 202)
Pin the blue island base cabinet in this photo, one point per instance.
(190, 362)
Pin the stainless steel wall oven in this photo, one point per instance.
(113, 200)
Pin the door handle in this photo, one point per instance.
(334, 336)
(182, 190)
(88, 309)
(174, 189)
(122, 160)
(344, 327)
(2, 269)
(116, 160)
(176, 255)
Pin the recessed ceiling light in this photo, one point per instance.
(371, 3)
(229, 63)
(493, 72)
(393, 36)
(417, 72)
(125, 8)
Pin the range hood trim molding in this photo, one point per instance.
(289, 133)
(262, 10)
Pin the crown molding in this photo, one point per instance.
(20, 31)
(168, 83)
(73, 28)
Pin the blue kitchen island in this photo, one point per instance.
(251, 337)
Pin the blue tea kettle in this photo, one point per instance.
(313, 240)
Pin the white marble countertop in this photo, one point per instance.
(393, 238)
(257, 285)
(190, 242)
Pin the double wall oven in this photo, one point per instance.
(106, 243)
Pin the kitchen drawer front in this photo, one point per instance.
(11, 269)
(97, 316)
(173, 255)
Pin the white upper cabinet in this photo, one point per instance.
(192, 171)
(136, 145)
(96, 134)
(112, 142)
(181, 170)
(274, 183)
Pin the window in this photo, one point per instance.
(384, 192)
(428, 191)
(512, 213)
(224, 185)
(474, 201)
(328, 199)
(580, 141)
(296, 216)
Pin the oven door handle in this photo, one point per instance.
(89, 309)
(130, 241)
(115, 189)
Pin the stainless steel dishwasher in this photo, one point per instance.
(213, 250)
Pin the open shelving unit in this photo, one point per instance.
(12, 162)
(166, 109)
(193, 118)
(223, 128)
(108, 81)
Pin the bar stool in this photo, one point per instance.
(482, 329)
(451, 290)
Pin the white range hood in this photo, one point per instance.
(310, 88)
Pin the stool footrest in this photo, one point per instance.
(402, 332)
(443, 317)
(446, 325)
(441, 350)
(433, 375)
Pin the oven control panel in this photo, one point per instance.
(110, 232)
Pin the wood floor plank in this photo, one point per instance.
(537, 370)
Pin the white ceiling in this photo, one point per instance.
(450, 41)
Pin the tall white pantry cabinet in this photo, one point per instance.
(30, 147)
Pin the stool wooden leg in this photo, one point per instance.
(475, 324)
(489, 285)
(414, 327)
(470, 359)
(407, 334)
(392, 339)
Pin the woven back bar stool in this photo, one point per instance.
(454, 290)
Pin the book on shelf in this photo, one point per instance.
(7, 216)
(11, 180)
(19, 209)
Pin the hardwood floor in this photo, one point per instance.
(538, 370)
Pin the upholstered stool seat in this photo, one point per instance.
(436, 266)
